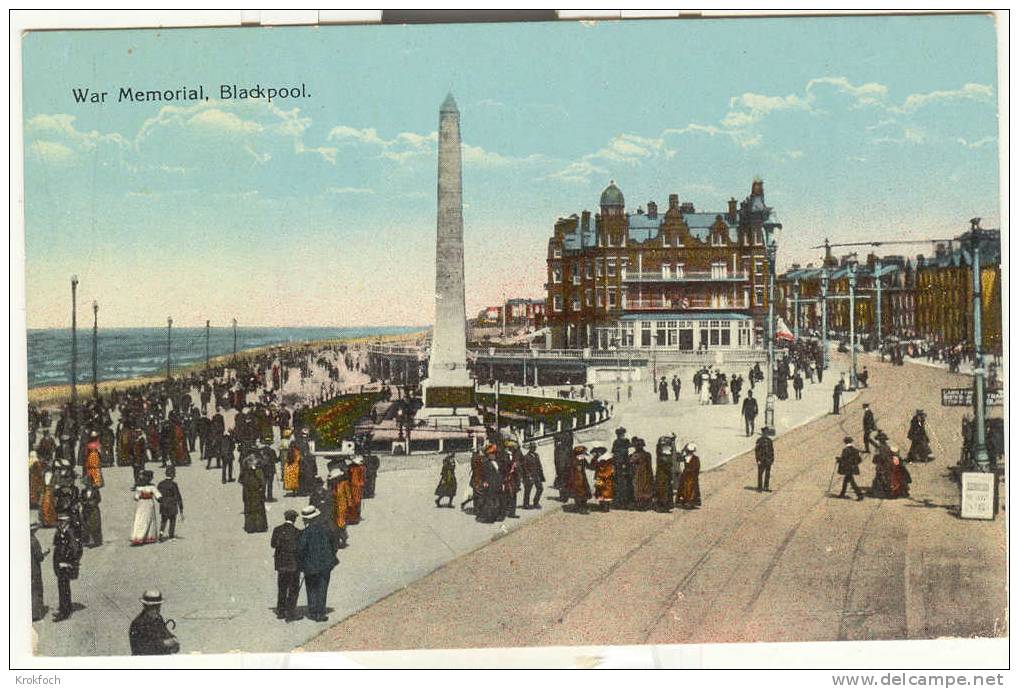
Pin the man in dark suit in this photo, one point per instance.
(288, 575)
(316, 557)
(226, 457)
(869, 426)
(849, 467)
(764, 452)
(533, 476)
(749, 413)
(171, 504)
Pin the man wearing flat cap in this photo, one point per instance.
(148, 633)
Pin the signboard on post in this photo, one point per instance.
(963, 397)
(978, 495)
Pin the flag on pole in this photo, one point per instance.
(782, 331)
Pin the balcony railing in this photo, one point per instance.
(685, 276)
(679, 305)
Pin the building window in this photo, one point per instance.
(597, 267)
(666, 271)
(610, 267)
(600, 295)
(557, 303)
(758, 267)
(661, 334)
(557, 252)
(588, 270)
(575, 273)
(576, 304)
(645, 333)
(680, 270)
(612, 298)
(557, 275)
(759, 296)
(589, 297)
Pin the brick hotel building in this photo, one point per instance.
(676, 281)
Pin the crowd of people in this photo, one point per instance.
(173, 421)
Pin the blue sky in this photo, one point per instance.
(321, 211)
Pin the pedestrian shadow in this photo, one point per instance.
(927, 503)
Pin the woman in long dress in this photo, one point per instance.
(604, 478)
(93, 462)
(292, 467)
(689, 494)
(705, 397)
(356, 473)
(146, 511)
(92, 520)
(48, 500)
(898, 476)
(447, 481)
(36, 480)
(252, 481)
(643, 475)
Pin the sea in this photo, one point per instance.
(126, 353)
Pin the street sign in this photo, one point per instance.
(963, 397)
(978, 495)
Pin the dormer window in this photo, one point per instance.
(557, 251)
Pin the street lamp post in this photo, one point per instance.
(824, 317)
(771, 231)
(796, 311)
(235, 337)
(877, 277)
(95, 349)
(851, 264)
(983, 462)
(169, 326)
(74, 347)
(207, 325)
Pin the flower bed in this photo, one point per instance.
(334, 421)
(521, 409)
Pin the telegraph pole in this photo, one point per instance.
(771, 239)
(95, 349)
(206, 344)
(74, 349)
(169, 326)
(852, 322)
(877, 273)
(235, 337)
(980, 437)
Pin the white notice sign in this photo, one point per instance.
(977, 495)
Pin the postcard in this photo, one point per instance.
(543, 335)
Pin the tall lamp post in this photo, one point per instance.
(825, 276)
(771, 231)
(169, 326)
(207, 325)
(74, 349)
(95, 349)
(980, 456)
(851, 265)
(235, 337)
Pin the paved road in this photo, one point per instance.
(795, 564)
(219, 582)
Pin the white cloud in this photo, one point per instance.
(970, 91)
(50, 152)
(979, 143)
(350, 190)
(870, 93)
(224, 122)
(580, 171)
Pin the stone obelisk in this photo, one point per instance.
(449, 383)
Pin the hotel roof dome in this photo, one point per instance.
(612, 196)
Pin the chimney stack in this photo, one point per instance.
(652, 210)
(673, 202)
(732, 207)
